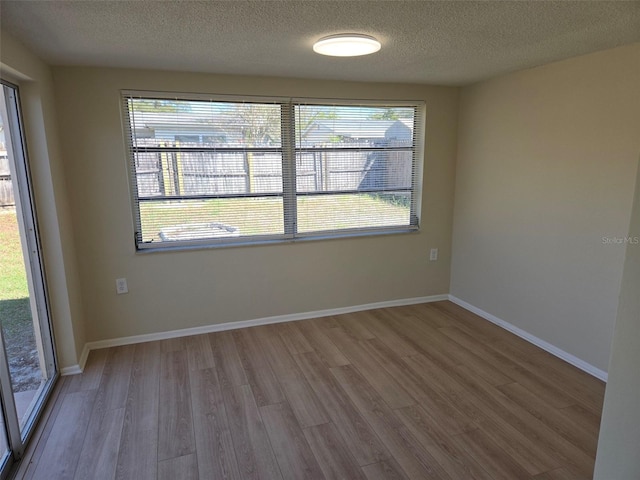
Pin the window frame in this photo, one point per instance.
(288, 151)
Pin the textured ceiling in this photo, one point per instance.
(448, 43)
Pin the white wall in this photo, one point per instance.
(619, 442)
(545, 170)
(33, 76)
(174, 290)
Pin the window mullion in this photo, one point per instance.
(289, 168)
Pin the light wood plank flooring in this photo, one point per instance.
(420, 392)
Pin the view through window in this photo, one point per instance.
(212, 170)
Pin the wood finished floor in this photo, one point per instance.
(417, 392)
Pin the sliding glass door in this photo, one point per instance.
(27, 359)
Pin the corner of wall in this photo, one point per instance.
(617, 455)
(39, 116)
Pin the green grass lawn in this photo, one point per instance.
(263, 216)
(13, 281)
(15, 311)
(14, 292)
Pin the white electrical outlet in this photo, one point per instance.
(433, 255)
(121, 286)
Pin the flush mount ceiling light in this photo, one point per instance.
(346, 45)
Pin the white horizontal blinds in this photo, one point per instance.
(205, 169)
(228, 169)
(355, 167)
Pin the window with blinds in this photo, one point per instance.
(225, 170)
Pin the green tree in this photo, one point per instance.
(307, 115)
(386, 114)
(392, 114)
(258, 125)
(159, 106)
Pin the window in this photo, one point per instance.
(223, 170)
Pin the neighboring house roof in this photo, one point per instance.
(321, 131)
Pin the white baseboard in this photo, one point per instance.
(78, 367)
(552, 349)
(84, 356)
(72, 370)
(219, 327)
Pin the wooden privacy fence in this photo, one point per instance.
(6, 187)
(200, 173)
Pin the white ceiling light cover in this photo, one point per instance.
(347, 45)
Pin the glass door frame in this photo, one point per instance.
(17, 432)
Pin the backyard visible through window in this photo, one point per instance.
(27, 365)
(211, 171)
(16, 321)
(15, 311)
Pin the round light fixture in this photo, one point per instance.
(346, 45)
